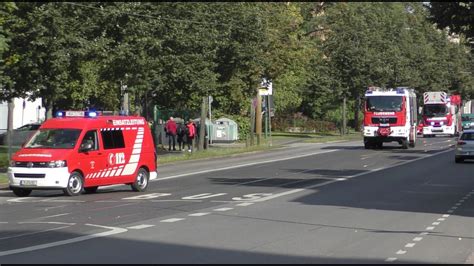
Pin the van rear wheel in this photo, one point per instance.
(21, 192)
(141, 181)
(75, 185)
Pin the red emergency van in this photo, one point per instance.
(79, 151)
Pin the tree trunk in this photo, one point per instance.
(356, 112)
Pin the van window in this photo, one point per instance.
(113, 139)
(91, 137)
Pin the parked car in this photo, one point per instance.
(20, 135)
(465, 146)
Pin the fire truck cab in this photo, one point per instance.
(79, 151)
(441, 114)
(389, 115)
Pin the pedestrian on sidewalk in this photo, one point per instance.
(170, 129)
(190, 134)
(181, 134)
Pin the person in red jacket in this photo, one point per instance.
(190, 134)
(170, 129)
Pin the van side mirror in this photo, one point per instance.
(85, 147)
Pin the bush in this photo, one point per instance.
(302, 122)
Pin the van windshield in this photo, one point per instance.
(54, 139)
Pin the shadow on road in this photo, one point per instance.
(114, 251)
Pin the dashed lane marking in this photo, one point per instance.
(435, 223)
(430, 228)
(417, 239)
(245, 204)
(390, 259)
(223, 209)
(198, 214)
(172, 220)
(410, 245)
(141, 226)
(401, 252)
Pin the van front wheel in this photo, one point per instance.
(21, 192)
(75, 185)
(141, 181)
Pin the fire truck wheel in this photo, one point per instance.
(141, 181)
(21, 192)
(91, 190)
(404, 144)
(75, 185)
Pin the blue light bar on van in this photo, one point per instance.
(400, 90)
(91, 114)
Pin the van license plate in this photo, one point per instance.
(28, 182)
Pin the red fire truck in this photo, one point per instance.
(441, 114)
(389, 115)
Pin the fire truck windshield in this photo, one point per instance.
(435, 110)
(384, 103)
(54, 139)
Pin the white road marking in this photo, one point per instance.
(57, 215)
(445, 215)
(55, 207)
(417, 239)
(198, 214)
(441, 219)
(430, 228)
(458, 204)
(34, 233)
(454, 207)
(60, 200)
(245, 204)
(172, 220)
(106, 201)
(147, 196)
(461, 201)
(31, 199)
(424, 233)
(435, 223)
(113, 231)
(401, 252)
(203, 196)
(223, 209)
(141, 226)
(46, 223)
(410, 245)
(390, 259)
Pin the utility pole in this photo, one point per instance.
(252, 122)
(258, 116)
(202, 124)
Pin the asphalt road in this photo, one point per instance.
(305, 203)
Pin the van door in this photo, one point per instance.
(116, 155)
(92, 159)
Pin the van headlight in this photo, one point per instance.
(55, 164)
